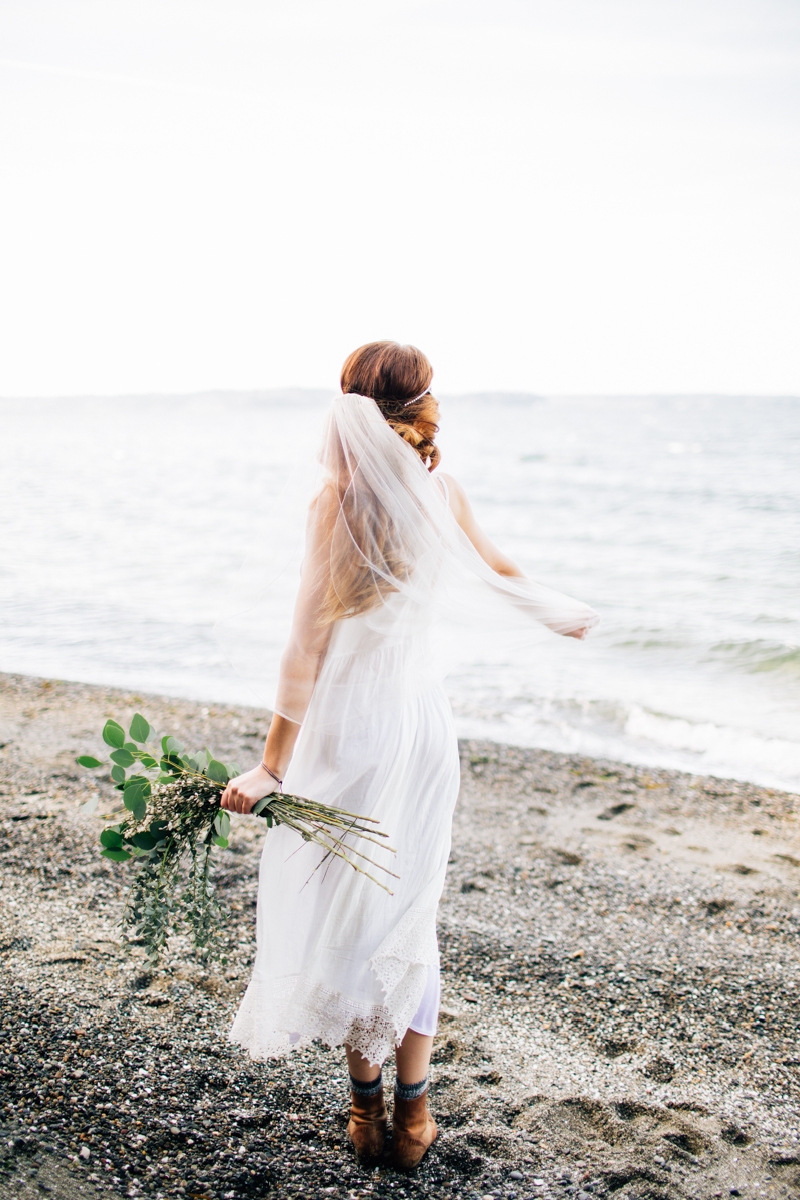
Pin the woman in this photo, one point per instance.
(361, 721)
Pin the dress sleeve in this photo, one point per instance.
(305, 651)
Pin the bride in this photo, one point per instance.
(393, 559)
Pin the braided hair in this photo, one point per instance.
(396, 378)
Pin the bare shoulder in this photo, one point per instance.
(458, 497)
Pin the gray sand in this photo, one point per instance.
(620, 954)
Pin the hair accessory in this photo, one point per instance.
(419, 397)
(272, 773)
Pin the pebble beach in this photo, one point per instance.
(621, 968)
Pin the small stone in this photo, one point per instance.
(660, 1068)
(517, 1175)
(85, 1152)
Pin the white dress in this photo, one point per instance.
(339, 958)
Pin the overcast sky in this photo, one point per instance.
(545, 195)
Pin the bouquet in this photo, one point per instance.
(171, 821)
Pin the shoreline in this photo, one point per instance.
(620, 980)
(645, 755)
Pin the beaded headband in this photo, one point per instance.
(419, 397)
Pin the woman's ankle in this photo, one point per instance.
(366, 1087)
(410, 1091)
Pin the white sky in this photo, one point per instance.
(545, 195)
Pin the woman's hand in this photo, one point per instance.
(580, 634)
(246, 790)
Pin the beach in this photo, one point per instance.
(620, 979)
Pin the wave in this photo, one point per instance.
(633, 733)
(759, 656)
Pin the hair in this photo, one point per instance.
(392, 375)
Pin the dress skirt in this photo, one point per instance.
(340, 959)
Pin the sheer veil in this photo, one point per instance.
(384, 563)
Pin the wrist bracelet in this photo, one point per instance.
(272, 773)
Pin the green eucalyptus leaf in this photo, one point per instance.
(116, 855)
(217, 772)
(86, 760)
(222, 823)
(260, 805)
(148, 761)
(171, 745)
(139, 781)
(140, 730)
(118, 774)
(133, 799)
(132, 748)
(111, 839)
(140, 812)
(89, 807)
(233, 770)
(171, 762)
(123, 758)
(221, 842)
(144, 840)
(113, 734)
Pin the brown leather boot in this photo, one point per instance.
(368, 1123)
(413, 1130)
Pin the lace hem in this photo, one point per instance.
(274, 1020)
(402, 961)
(276, 1017)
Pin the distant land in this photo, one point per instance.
(313, 397)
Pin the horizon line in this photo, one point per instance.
(483, 393)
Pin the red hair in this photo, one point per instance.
(393, 375)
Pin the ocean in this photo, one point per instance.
(125, 523)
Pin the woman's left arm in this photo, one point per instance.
(462, 511)
(491, 555)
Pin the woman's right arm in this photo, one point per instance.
(301, 663)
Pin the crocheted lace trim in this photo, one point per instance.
(278, 1016)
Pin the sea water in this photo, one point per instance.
(125, 524)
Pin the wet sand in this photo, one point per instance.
(621, 972)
